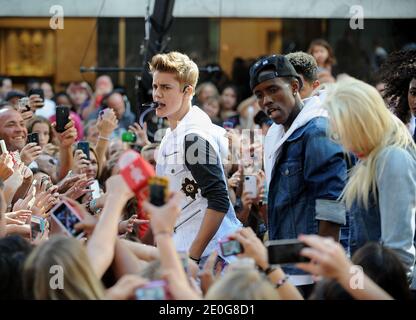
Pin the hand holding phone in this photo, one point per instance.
(37, 225)
(250, 185)
(155, 290)
(33, 138)
(3, 147)
(66, 217)
(285, 251)
(230, 247)
(85, 147)
(95, 188)
(159, 189)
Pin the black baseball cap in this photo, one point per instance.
(14, 94)
(279, 66)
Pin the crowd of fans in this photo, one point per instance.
(334, 161)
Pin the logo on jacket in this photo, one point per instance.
(190, 188)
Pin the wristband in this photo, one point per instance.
(103, 138)
(196, 260)
(269, 270)
(281, 282)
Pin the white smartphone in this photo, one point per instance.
(250, 185)
(95, 188)
(3, 146)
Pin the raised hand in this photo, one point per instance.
(6, 166)
(68, 137)
(107, 122)
(141, 134)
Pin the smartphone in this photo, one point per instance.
(33, 138)
(3, 146)
(37, 225)
(155, 290)
(95, 187)
(158, 188)
(36, 91)
(23, 104)
(285, 251)
(67, 217)
(230, 247)
(85, 147)
(62, 118)
(250, 185)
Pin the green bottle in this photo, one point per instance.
(128, 137)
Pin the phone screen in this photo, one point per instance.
(285, 251)
(95, 188)
(85, 147)
(67, 219)
(231, 248)
(33, 137)
(153, 291)
(36, 226)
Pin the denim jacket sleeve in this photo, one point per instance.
(396, 185)
(325, 173)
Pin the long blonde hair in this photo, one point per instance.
(79, 280)
(363, 125)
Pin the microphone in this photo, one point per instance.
(153, 105)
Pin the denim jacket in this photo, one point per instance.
(390, 216)
(306, 181)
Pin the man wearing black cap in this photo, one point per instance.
(305, 170)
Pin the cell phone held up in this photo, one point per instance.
(62, 118)
(37, 225)
(285, 251)
(33, 138)
(250, 185)
(230, 247)
(155, 290)
(158, 189)
(66, 217)
(85, 147)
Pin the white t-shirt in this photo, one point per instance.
(48, 110)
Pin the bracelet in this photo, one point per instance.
(103, 138)
(268, 270)
(281, 282)
(196, 260)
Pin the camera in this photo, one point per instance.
(230, 247)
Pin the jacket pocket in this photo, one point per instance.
(291, 178)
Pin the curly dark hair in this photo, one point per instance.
(397, 72)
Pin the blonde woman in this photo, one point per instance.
(381, 192)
